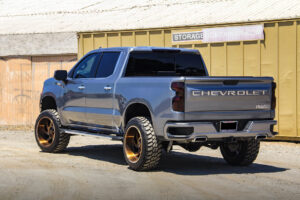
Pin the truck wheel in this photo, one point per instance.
(242, 153)
(47, 132)
(142, 150)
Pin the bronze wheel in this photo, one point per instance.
(45, 131)
(48, 134)
(142, 150)
(133, 144)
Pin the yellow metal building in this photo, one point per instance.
(277, 55)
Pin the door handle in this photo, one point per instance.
(107, 88)
(81, 87)
(58, 83)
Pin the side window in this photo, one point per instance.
(107, 64)
(85, 68)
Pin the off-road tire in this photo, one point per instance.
(151, 147)
(61, 139)
(247, 154)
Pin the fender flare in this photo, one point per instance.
(136, 101)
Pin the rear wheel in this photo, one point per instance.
(142, 150)
(47, 132)
(241, 153)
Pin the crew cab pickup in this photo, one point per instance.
(151, 98)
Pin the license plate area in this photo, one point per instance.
(226, 126)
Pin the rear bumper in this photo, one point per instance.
(203, 131)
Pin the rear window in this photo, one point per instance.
(164, 64)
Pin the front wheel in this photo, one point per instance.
(142, 150)
(241, 153)
(47, 132)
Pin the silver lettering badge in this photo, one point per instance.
(263, 106)
(198, 93)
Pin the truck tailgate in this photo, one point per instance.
(228, 94)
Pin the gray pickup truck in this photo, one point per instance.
(151, 98)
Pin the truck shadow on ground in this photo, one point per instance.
(174, 162)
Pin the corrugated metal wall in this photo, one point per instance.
(21, 83)
(278, 55)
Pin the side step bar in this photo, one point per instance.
(76, 132)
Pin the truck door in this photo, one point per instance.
(75, 89)
(99, 92)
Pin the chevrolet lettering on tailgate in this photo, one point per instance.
(197, 93)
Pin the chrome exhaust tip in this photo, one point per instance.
(200, 139)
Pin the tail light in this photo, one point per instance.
(273, 103)
(178, 100)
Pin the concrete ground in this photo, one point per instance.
(94, 168)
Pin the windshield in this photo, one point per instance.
(165, 64)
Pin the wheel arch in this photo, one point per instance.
(137, 108)
(48, 102)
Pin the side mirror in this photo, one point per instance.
(61, 75)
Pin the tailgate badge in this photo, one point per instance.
(197, 93)
(263, 106)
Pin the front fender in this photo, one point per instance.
(53, 89)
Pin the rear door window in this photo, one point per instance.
(107, 64)
(165, 64)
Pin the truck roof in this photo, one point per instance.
(144, 48)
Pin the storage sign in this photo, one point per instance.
(219, 34)
(188, 36)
